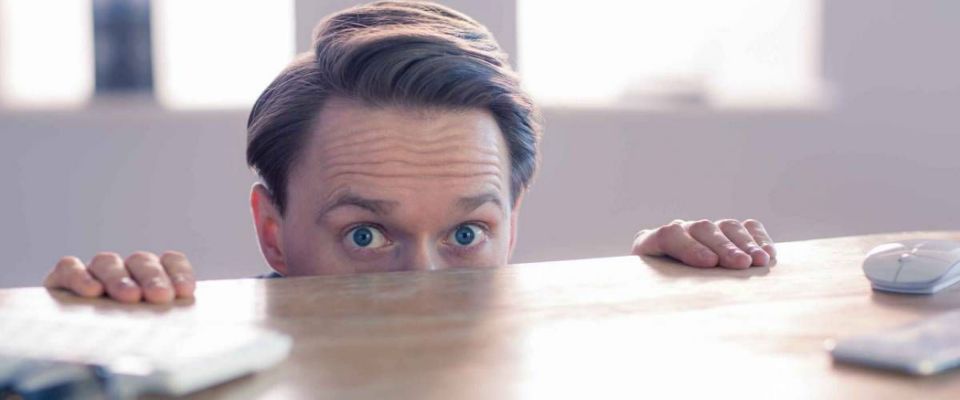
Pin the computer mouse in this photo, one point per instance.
(913, 266)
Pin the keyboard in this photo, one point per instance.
(125, 358)
(924, 347)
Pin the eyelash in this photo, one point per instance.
(458, 250)
(363, 250)
(467, 250)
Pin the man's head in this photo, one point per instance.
(402, 141)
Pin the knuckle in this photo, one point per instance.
(665, 232)
(726, 224)
(172, 255)
(670, 229)
(141, 257)
(66, 264)
(701, 227)
(68, 260)
(106, 257)
(753, 224)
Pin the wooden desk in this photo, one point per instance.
(601, 328)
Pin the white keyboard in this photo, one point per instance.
(132, 357)
(924, 347)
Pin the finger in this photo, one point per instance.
(646, 243)
(146, 270)
(737, 234)
(674, 241)
(709, 235)
(108, 268)
(760, 235)
(71, 274)
(180, 272)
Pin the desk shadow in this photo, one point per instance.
(70, 302)
(672, 269)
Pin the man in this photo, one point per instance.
(401, 142)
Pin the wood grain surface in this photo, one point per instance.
(624, 327)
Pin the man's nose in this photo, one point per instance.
(422, 258)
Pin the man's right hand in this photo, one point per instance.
(142, 276)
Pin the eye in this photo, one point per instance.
(366, 237)
(467, 235)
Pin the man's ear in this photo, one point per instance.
(268, 223)
(514, 214)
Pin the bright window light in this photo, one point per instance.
(46, 53)
(219, 53)
(682, 52)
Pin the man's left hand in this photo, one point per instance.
(726, 243)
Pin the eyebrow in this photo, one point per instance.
(384, 207)
(471, 203)
(376, 206)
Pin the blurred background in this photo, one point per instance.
(122, 122)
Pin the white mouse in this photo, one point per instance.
(913, 266)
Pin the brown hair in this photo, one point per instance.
(392, 53)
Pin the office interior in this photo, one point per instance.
(853, 129)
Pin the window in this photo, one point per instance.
(46, 58)
(219, 53)
(732, 53)
(189, 53)
(122, 46)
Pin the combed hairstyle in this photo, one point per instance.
(391, 53)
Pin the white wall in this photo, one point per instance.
(883, 158)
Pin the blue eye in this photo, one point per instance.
(466, 234)
(362, 237)
(366, 237)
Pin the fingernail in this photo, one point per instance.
(179, 278)
(157, 283)
(126, 283)
(735, 252)
(769, 249)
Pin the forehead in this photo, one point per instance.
(397, 151)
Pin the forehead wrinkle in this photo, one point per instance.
(414, 161)
(392, 165)
(398, 147)
(406, 149)
(487, 186)
(365, 188)
(393, 175)
(422, 132)
(414, 157)
(385, 163)
(441, 153)
(420, 145)
(377, 179)
(414, 164)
